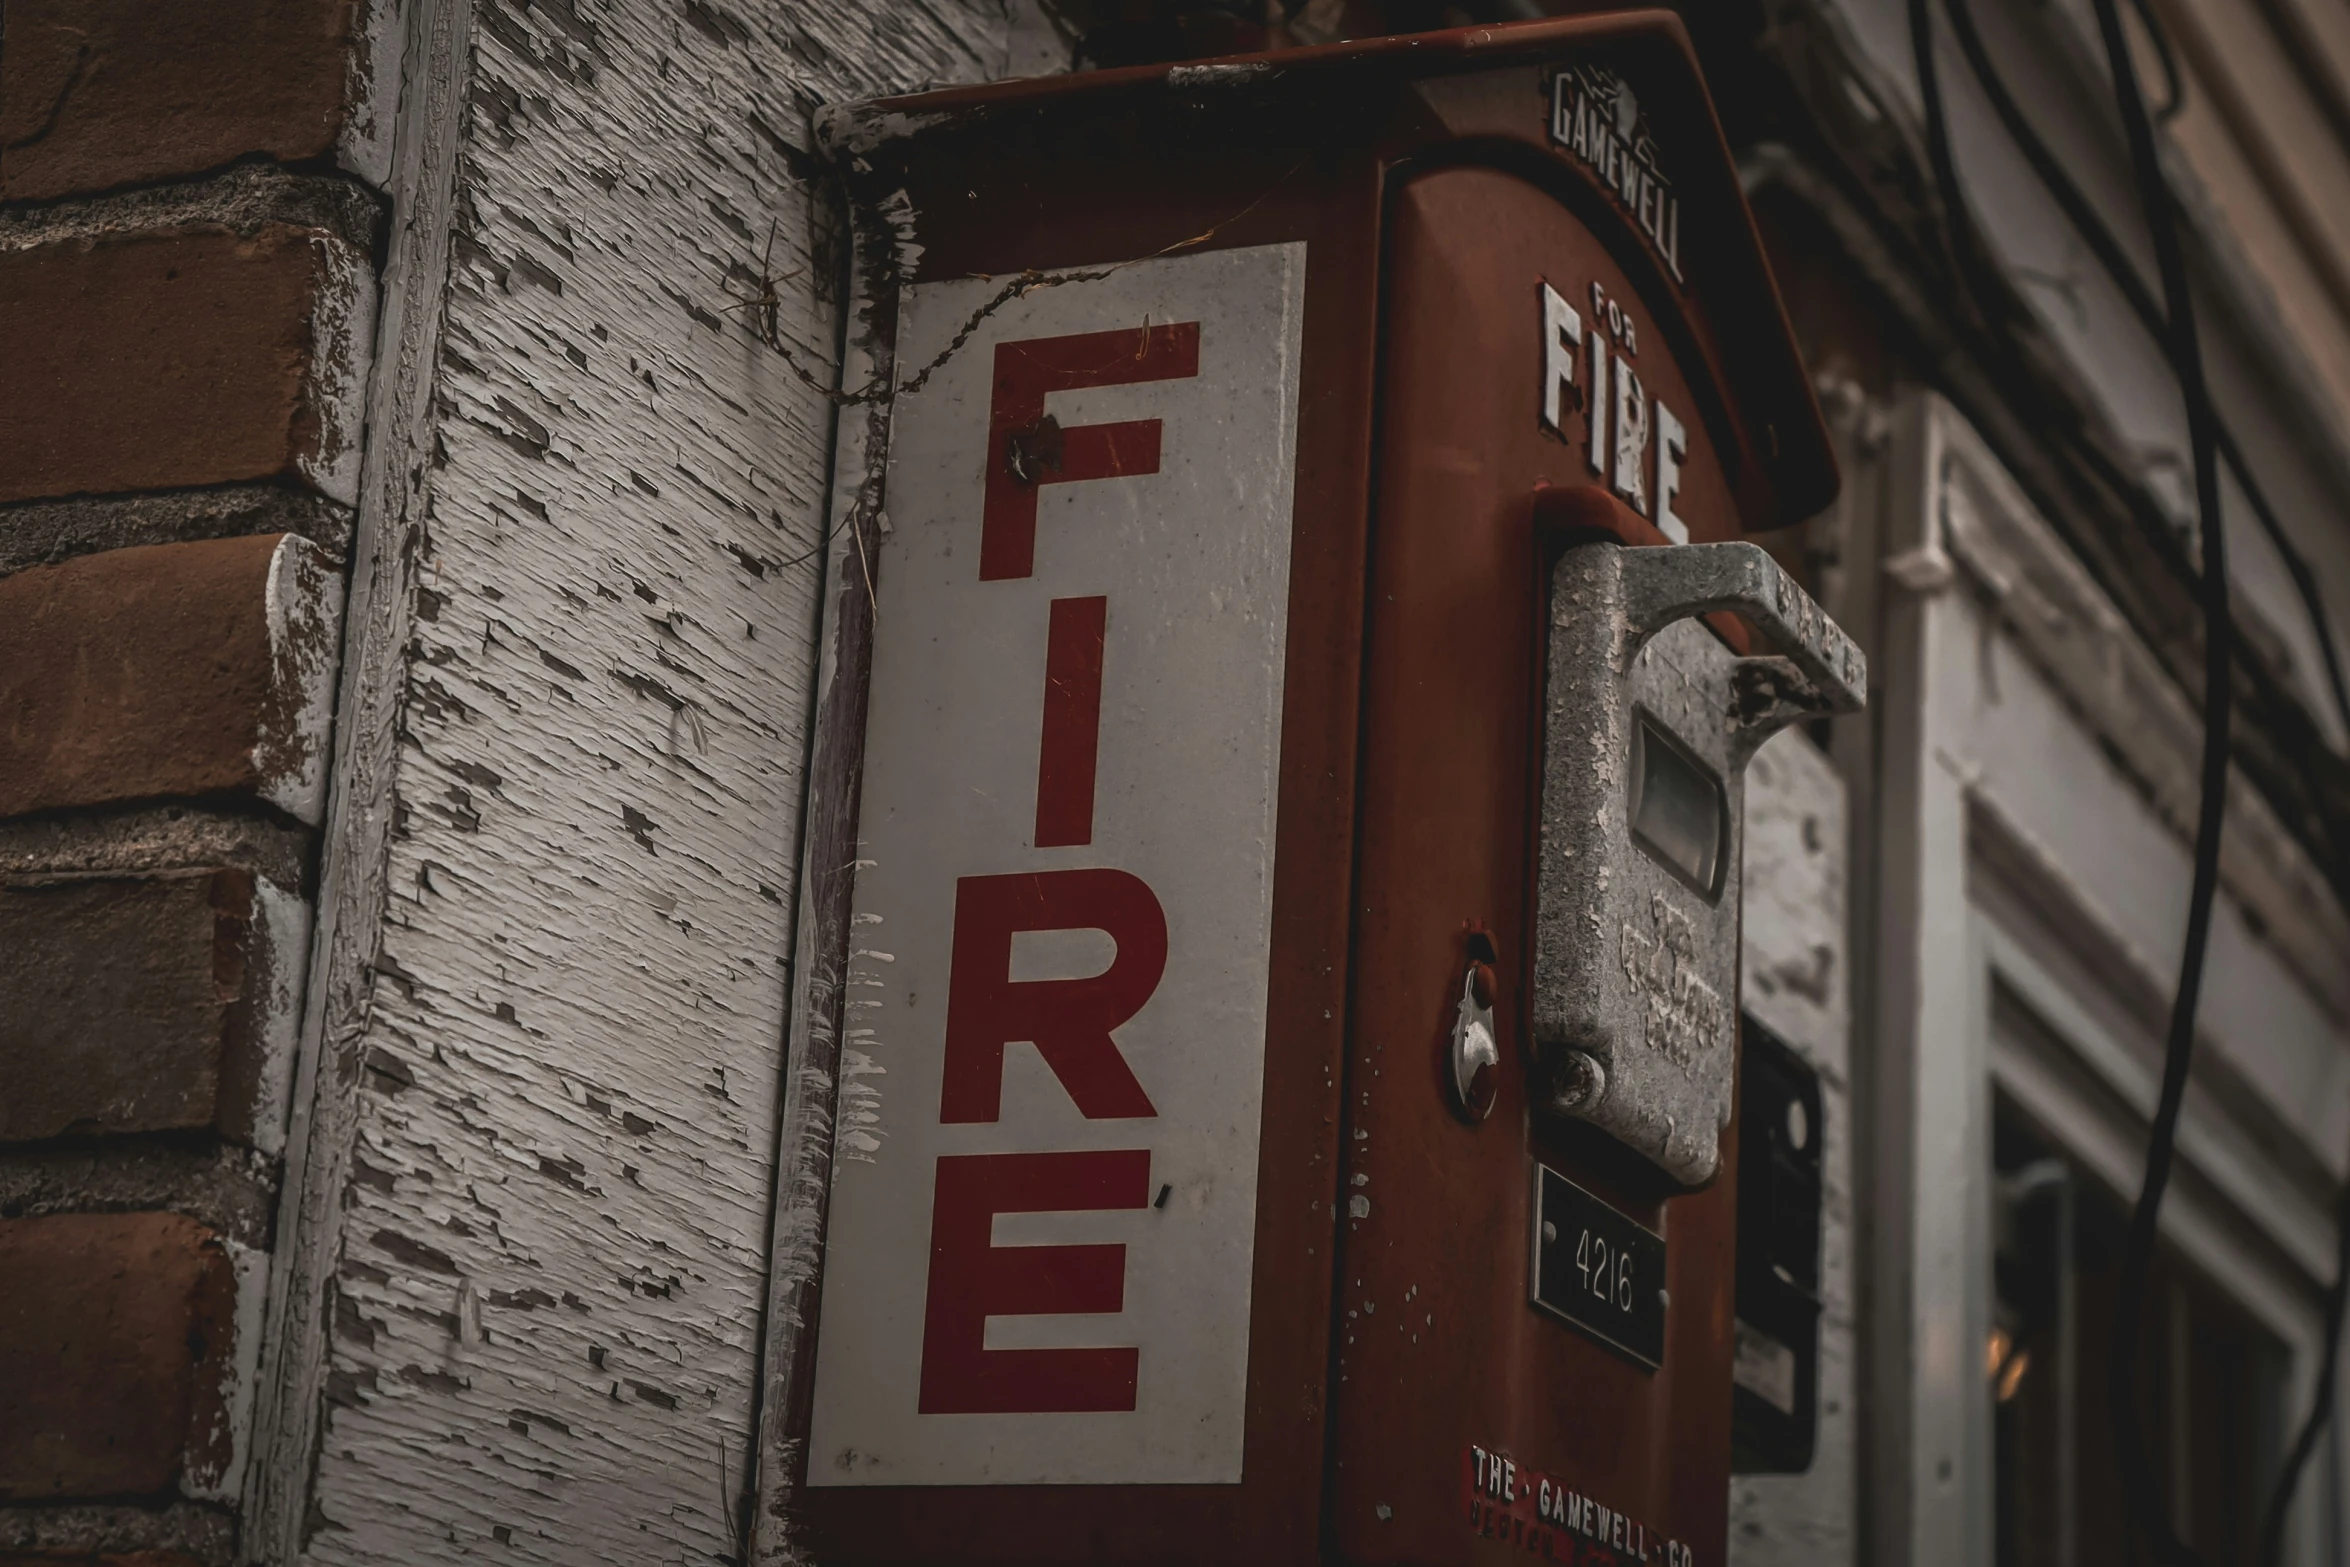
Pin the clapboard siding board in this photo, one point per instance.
(551, 1244)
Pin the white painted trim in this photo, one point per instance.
(2261, 1193)
(804, 1131)
(2212, 1236)
(1930, 1417)
(2046, 600)
(1956, 520)
(393, 493)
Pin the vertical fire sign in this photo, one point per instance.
(1044, 1197)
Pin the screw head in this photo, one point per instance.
(1582, 1081)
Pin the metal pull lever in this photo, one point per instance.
(1648, 725)
(1661, 586)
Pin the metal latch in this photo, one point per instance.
(1475, 1055)
(1649, 721)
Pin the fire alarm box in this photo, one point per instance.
(1297, 651)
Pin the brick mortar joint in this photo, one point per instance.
(47, 532)
(151, 839)
(228, 1188)
(206, 1533)
(242, 200)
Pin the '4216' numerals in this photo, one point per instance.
(1607, 1271)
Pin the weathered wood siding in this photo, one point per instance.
(542, 1120)
(1797, 979)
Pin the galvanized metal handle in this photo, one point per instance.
(1673, 582)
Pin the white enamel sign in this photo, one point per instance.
(1044, 1190)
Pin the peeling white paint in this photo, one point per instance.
(551, 1247)
(371, 90)
(303, 608)
(1183, 76)
(898, 213)
(250, 1271)
(282, 933)
(855, 129)
(342, 330)
(859, 1116)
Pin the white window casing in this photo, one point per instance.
(2031, 830)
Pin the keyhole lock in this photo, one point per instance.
(1474, 1059)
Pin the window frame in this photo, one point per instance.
(1981, 613)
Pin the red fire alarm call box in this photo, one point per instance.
(1289, 966)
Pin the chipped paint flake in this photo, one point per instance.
(552, 1249)
(302, 606)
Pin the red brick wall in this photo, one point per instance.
(96, 94)
(120, 1328)
(186, 300)
(133, 1005)
(153, 360)
(168, 670)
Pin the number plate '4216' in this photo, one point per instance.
(1598, 1269)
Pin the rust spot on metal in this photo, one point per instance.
(1035, 451)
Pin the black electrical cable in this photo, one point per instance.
(2185, 350)
(2124, 274)
(1921, 43)
(1972, 259)
(2280, 1500)
(2077, 209)
(2174, 96)
(2218, 688)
